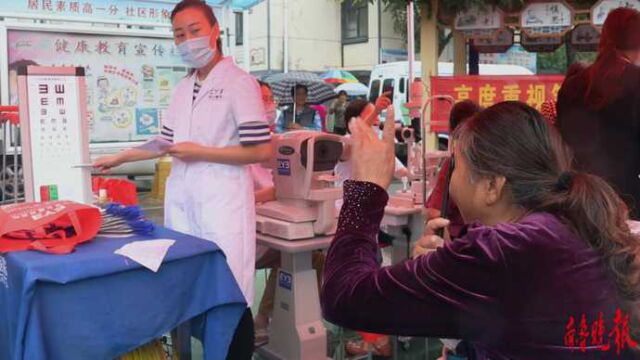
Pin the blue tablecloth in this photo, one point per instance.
(94, 304)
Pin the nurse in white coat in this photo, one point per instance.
(217, 125)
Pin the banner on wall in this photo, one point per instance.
(489, 90)
(111, 10)
(129, 79)
(123, 11)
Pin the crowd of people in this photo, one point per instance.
(537, 228)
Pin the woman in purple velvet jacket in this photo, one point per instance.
(547, 270)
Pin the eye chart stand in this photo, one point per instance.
(54, 132)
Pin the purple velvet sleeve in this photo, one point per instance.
(451, 292)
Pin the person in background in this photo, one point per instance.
(362, 110)
(337, 109)
(305, 117)
(270, 106)
(599, 108)
(267, 258)
(322, 112)
(547, 245)
(460, 112)
(369, 113)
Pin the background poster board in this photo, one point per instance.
(132, 12)
(54, 132)
(129, 79)
(487, 90)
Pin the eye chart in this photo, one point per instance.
(54, 132)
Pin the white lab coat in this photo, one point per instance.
(262, 179)
(208, 200)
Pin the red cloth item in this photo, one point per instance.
(435, 202)
(120, 191)
(54, 227)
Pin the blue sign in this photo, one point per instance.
(147, 122)
(285, 280)
(284, 167)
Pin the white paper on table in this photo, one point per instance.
(148, 253)
(156, 145)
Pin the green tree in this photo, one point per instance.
(557, 62)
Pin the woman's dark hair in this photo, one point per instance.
(620, 32)
(354, 109)
(202, 6)
(462, 111)
(342, 92)
(513, 140)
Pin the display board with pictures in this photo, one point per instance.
(500, 43)
(54, 132)
(546, 19)
(601, 9)
(129, 79)
(479, 22)
(585, 37)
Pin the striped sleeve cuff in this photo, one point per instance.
(166, 133)
(256, 133)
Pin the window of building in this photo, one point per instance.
(355, 21)
(239, 29)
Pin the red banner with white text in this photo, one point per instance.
(488, 90)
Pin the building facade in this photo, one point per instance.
(318, 35)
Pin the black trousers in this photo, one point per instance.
(241, 347)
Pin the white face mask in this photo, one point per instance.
(196, 53)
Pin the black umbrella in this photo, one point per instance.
(281, 84)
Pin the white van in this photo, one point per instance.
(394, 77)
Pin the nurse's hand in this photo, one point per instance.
(373, 158)
(187, 151)
(105, 163)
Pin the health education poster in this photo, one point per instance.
(129, 79)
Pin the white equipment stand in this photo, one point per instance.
(401, 222)
(297, 331)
